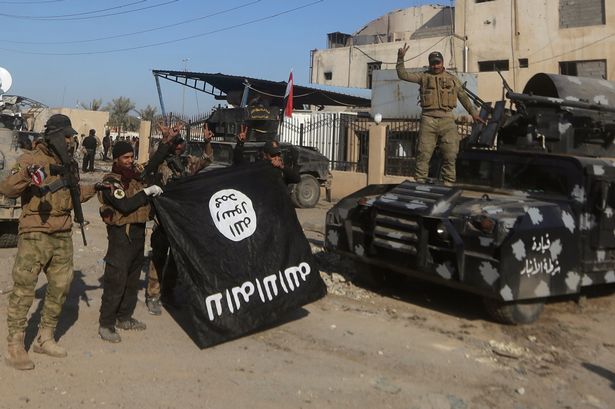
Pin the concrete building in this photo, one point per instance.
(518, 37)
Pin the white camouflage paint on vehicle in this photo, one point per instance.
(333, 237)
(489, 272)
(572, 280)
(444, 271)
(535, 215)
(568, 221)
(506, 293)
(542, 290)
(485, 241)
(518, 249)
(359, 250)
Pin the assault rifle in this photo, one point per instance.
(68, 172)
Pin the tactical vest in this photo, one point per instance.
(172, 168)
(40, 201)
(178, 167)
(438, 92)
(112, 216)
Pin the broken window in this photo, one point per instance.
(493, 65)
(589, 68)
(581, 13)
(371, 67)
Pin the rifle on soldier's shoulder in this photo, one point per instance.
(69, 178)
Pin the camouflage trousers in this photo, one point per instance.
(37, 251)
(437, 131)
(159, 265)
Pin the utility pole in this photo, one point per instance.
(185, 61)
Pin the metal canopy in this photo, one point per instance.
(231, 87)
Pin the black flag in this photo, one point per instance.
(240, 251)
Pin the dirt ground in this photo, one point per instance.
(414, 346)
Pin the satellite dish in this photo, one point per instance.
(5, 80)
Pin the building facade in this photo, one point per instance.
(517, 37)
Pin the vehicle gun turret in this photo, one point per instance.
(553, 114)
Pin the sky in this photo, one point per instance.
(67, 52)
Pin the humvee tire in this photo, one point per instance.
(306, 193)
(515, 312)
(8, 235)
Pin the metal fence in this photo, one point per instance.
(402, 145)
(341, 137)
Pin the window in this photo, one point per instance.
(371, 67)
(493, 65)
(328, 75)
(581, 13)
(523, 63)
(589, 68)
(483, 1)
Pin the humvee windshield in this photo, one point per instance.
(533, 175)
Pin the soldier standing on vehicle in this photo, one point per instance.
(45, 239)
(90, 143)
(125, 209)
(439, 93)
(175, 166)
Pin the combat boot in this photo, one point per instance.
(17, 356)
(46, 344)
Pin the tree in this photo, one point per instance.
(94, 105)
(118, 112)
(148, 113)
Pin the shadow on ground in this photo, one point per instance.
(70, 311)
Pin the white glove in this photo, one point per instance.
(153, 190)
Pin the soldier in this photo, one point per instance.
(125, 209)
(272, 153)
(45, 239)
(89, 143)
(439, 93)
(106, 142)
(175, 166)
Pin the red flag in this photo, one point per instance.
(288, 97)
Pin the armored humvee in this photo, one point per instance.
(530, 217)
(14, 138)
(262, 123)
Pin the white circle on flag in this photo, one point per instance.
(233, 214)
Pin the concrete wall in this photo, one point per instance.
(514, 29)
(345, 183)
(495, 30)
(82, 119)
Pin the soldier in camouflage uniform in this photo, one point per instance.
(439, 93)
(175, 166)
(45, 240)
